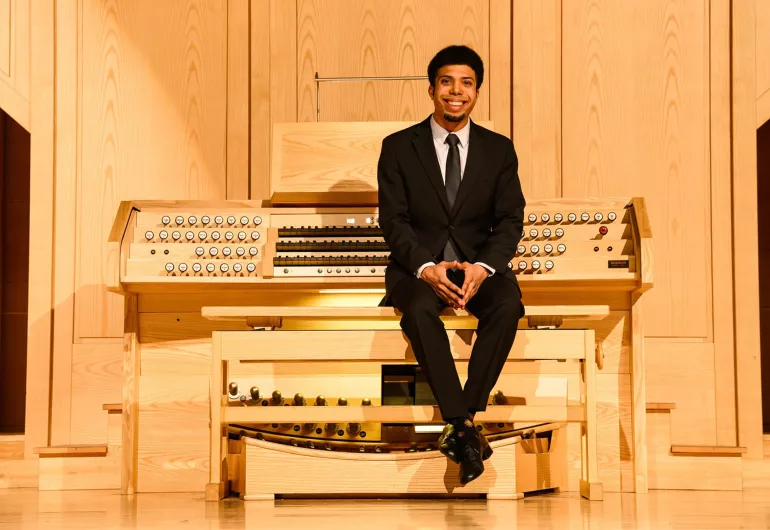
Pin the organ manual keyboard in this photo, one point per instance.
(329, 373)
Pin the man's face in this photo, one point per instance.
(454, 94)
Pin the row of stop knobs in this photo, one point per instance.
(192, 220)
(210, 267)
(571, 217)
(277, 399)
(535, 265)
(201, 236)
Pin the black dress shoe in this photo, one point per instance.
(448, 445)
(471, 465)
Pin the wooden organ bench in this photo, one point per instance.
(293, 336)
(201, 277)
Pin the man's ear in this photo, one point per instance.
(430, 91)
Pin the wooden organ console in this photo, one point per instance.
(253, 329)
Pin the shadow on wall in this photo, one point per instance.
(14, 271)
(763, 198)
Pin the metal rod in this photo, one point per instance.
(319, 80)
(381, 78)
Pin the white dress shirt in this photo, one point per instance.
(442, 151)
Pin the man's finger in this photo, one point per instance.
(450, 285)
(448, 300)
(442, 291)
(449, 294)
(467, 282)
(444, 280)
(470, 290)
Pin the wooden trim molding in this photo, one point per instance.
(41, 234)
(745, 258)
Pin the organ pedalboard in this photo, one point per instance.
(368, 437)
(253, 246)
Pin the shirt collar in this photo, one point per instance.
(440, 134)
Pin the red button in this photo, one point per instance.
(603, 230)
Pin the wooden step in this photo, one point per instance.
(660, 407)
(706, 450)
(70, 451)
(113, 408)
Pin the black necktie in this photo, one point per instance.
(452, 184)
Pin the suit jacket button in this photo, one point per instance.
(451, 228)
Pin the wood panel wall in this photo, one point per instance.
(389, 39)
(763, 61)
(153, 125)
(177, 100)
(15, 60)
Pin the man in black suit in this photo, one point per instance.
(452, 212)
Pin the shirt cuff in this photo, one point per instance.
(490, 269)
(422, 268)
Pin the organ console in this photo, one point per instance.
(286, 245)
(285, 294)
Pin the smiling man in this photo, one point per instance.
(452, 212)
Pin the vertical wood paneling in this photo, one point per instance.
(683, 373)
(6, 37)
(537, 96)
(389, 39)
(260, 122)
(97, 379)
(274, 82)
(238, 98)
(721, 233)
(65, 215)
(40, 302)
(636, 122)
(15, 59)
(499, 90)
(154, 124)
(763, 46)
(283, 61)
(748, 373)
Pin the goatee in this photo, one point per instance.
(453, 118)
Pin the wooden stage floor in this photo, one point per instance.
(27, 509)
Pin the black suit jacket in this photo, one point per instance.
(487, 217)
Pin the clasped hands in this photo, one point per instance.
(454, 296)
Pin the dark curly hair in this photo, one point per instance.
(456, 55)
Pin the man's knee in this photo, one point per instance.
(420, 307)
(506, 310)
(512, 307)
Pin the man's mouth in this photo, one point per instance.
(454, 105)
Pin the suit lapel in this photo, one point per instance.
(423, 143)
(473, 166)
